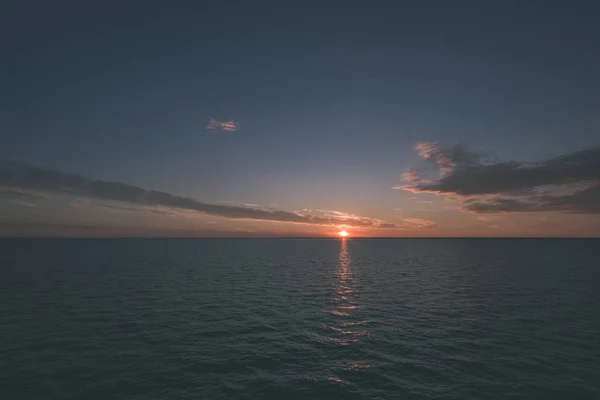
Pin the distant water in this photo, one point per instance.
(299, 319)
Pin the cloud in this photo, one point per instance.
(80, 203)
(446, 159)
(21, 197)
(238, 203)
(585, 201)
(142, 209)
(164, 212)
(488, 218)
(355, 220)
(418, 223)
(23, 177)
(17, 194)
(22, 203)
(120, 208)
(409, 223)
(229, 126)
(567, 183)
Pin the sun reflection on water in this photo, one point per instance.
(345, 327)
(344, 270)
(345, 324)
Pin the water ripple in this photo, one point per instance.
(315, 319)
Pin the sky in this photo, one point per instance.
(260, 119)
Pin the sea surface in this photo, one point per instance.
(299, 319)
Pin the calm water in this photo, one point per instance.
(306, 319)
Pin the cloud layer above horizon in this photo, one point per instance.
(26, 180)
(568, 183)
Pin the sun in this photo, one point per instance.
(343, 233)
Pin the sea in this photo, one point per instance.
(299, 319)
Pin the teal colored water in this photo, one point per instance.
(299, 319)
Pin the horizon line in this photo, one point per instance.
(297, 237)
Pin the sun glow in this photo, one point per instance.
(343, 233)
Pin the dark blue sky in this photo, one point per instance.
(330, 97)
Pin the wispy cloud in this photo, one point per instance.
(229, 126)
(344, 218)
(143, 209)
(21, 197)
(22, 203)
(18, 194)
(31, 178)
(418, 223)
(488, 218)
(567, 183)
(79, 203)
(238, 203)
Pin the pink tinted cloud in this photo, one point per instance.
(229, 126)
(568, 183)
(418, 223)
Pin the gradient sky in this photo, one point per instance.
(412, 118)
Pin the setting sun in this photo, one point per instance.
(343, 233)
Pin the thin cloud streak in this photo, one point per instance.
(239, 203)
(143, 209)
(22, 203)
(347, 219)
(20, 195)
(419, 223)
(79, 203)
(26, 177)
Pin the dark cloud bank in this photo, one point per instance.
(26, 177)
(567, 183)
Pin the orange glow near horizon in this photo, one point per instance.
(343, 233)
